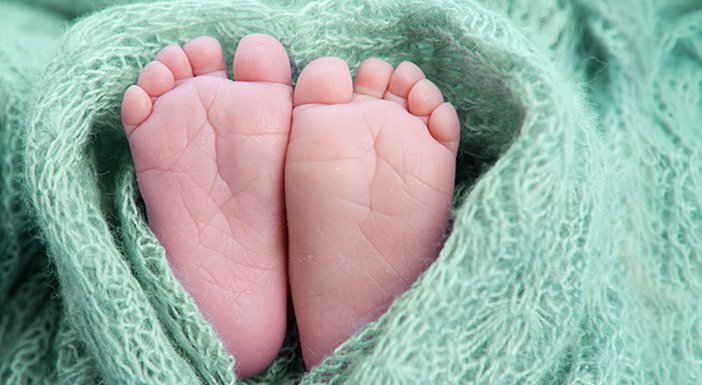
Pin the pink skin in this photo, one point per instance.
(368, 187)
(369, 184)
(209, 155)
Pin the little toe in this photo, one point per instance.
(373, 77)
(326, 80)
(424, 98)
(206, 57)
(445, 127)
(156, 79)
(406, 75)
(136, 107)
(261, 58)
(177, 61)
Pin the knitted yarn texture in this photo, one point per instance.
(575, 254)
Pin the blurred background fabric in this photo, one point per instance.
(575, 255)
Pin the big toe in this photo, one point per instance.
(326, 80)
(261, 58)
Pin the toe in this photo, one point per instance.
(136, 107)
(177, 61)
(402, 81)
(445, 127)
(424, 98)
(373, 77)
(206, 57)
(156, 79)
(261, 58)
(326, 80)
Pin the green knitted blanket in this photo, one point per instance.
(575, 255)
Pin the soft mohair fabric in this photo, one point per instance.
(575, 251)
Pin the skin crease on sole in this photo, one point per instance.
(361, 171)
(369, 185)
(209, 155)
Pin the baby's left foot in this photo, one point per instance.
(209, 155)
(369, 185)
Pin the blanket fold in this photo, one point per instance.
(575, 255)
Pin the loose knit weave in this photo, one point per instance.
(575, 255)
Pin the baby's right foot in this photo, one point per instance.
(369, 185)
(209, 156)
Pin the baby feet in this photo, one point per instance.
(368, 185)
(209, 155)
